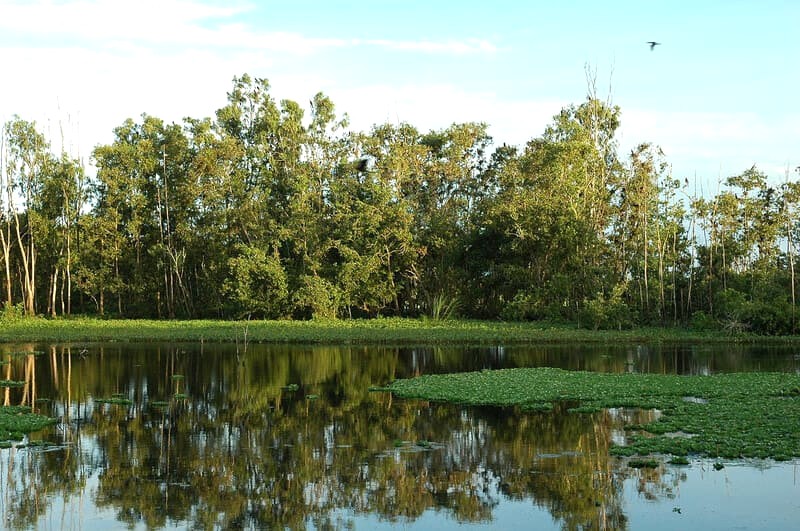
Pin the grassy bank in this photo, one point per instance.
(725, 415)
(390, 330)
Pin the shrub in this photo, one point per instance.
(11, 312)
(606, 312)
(702, 321)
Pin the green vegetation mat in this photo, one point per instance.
(16, 421)
(384, 330)
(725, 415)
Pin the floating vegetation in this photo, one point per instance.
(312, 397)
(116, 400)
(12, 383)
(643, 463)
(291, 387)
(729, 415)
(718, 466)
(159, 404)
(16, 421)
(680, 460)
(178, 377)
(181, 396)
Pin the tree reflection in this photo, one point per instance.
(250, 447)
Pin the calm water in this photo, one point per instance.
(291, 437)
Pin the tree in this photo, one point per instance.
(27, 168)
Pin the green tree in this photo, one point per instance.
(28, 166)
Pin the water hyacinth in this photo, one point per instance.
(725, 415)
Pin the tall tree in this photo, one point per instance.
(29, 161)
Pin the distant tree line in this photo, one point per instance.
(269, 213)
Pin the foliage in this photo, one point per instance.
(607, 312)
(740, 415)
(382, 330)
(11, 313)
(16, 421)
(257, 284)
(269, 209)
(443, 307)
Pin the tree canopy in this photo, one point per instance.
(272, 210)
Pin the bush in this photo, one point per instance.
(521, 308)
(258, 283)
(316, 299)
(11, 312)
(702, 321)
(606, 312)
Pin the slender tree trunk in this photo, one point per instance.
(28, 257)
(5, 236)
(790, 252)
(52, 291)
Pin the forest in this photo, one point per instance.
(272, 211)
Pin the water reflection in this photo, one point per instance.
(212, 436)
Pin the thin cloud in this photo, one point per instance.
(187, 23)
(426, 46)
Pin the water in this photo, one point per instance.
(292, 437)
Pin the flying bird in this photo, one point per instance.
(653, 44)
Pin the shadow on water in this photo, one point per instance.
(210, 436)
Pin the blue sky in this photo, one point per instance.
(719, 94)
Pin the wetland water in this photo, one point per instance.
(212, 436)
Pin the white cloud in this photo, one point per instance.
(716, 145)
(154, 21)
(426, 46)
(438, 106)
(185, 23)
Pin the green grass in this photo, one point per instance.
(742, 414)
(382, 330)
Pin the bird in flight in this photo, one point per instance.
(653, 44)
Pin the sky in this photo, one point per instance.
(718, 95)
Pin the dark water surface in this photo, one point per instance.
(290, 437)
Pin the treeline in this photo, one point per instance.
(269, 213)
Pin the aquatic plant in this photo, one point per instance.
(16, 421)
(680, 460)
(114, 400)
(726, 415)
(643, 463)
(365, 331)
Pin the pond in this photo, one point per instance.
(222, 436)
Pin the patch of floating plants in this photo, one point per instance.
(643, 463)
(291, 387)
(16, 421)
(116, 400)
(728, 416)
(12, 383)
